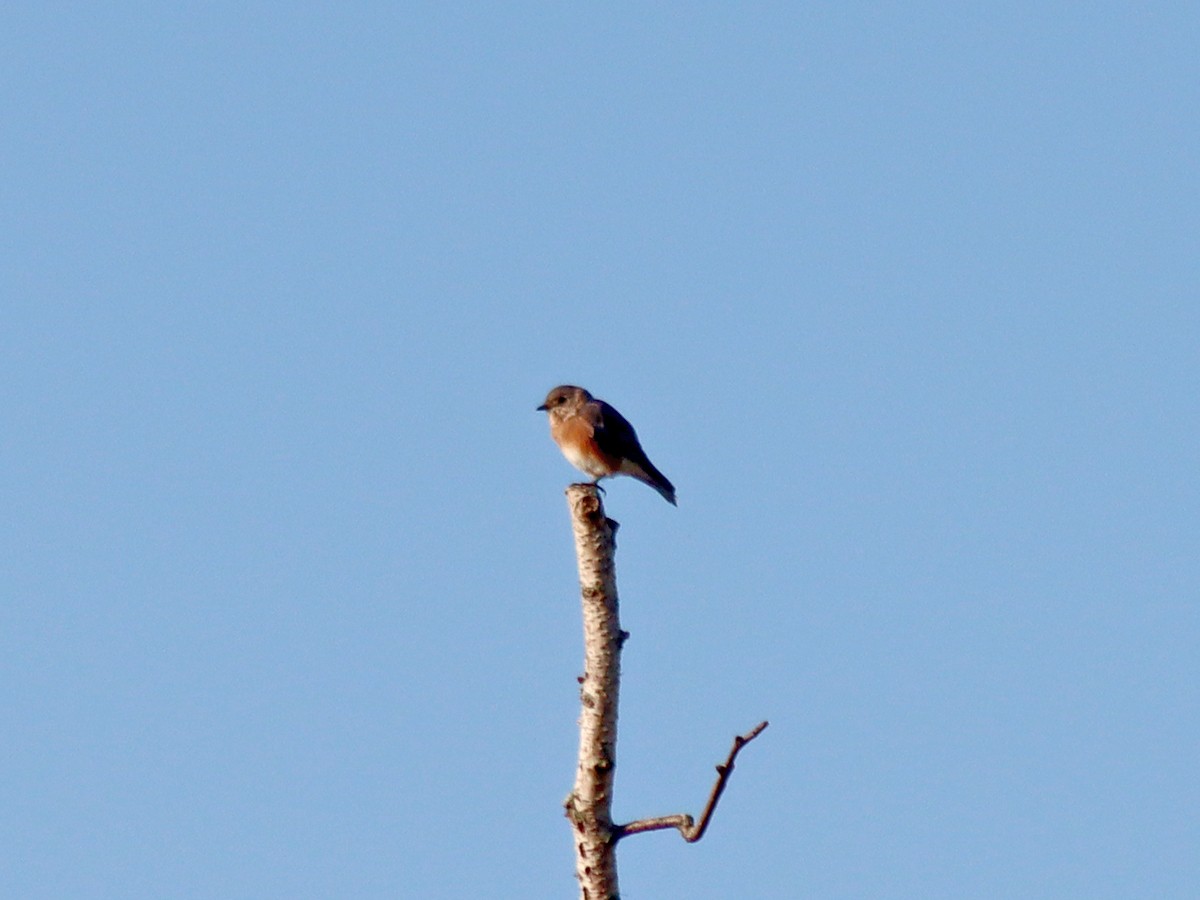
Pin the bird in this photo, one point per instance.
(598, 440)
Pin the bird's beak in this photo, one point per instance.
(543, 408)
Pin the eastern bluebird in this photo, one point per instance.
(598, 440)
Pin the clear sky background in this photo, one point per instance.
(904, 298)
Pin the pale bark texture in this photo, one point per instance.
(589, 805)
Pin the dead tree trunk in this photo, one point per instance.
(589, 805)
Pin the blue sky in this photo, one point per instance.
(902, 297)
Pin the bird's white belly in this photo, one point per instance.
(589, 465)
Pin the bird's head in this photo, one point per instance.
(565, 396)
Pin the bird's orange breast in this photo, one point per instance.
(576, 439)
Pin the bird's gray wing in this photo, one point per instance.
(614, 435)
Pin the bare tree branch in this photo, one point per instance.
(589, 805)
(693, 832)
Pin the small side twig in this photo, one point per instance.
(690, 830)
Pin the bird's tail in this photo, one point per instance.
(657, 480)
